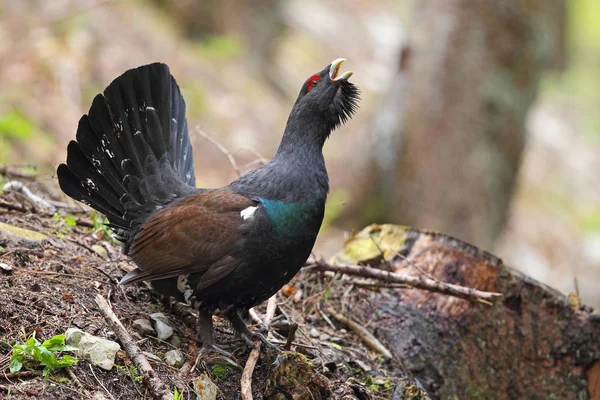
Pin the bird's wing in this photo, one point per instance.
(192, 235)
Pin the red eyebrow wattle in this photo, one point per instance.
(312, 80)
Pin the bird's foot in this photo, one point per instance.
(250, 338)
(213, 348)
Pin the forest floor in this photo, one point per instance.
(49, 283)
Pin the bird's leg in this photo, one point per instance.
(205, 332)
(247, 336)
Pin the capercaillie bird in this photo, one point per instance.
(220, 250)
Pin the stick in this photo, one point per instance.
(370, 340)
(291, 335)
(271, 307)
(246, 381)
(36, 200)
(415, 282)
(155, 384)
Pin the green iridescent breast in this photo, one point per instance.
(291, 220)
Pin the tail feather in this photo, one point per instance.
(133, 154)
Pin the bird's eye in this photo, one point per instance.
(312, 82)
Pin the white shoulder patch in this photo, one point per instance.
(248, 212)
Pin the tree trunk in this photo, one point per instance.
(534, 344)
(449, 158)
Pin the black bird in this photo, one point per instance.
(220, 250)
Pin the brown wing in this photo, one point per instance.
(189, 236)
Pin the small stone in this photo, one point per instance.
(343, 331)
(163, 331)
(161, 326)
(99, 396)
(99, 351)
(323, 337)
(158, 316)
(174, 358)
(143, 327)
(365, 367)
(101, 251)
(314, 333)
(205, 388)
(7, 269)
(176, 341)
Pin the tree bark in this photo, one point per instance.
(449, 157)
(535, 344)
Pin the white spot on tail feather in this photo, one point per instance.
(248, 212)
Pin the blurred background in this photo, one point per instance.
(478, 119)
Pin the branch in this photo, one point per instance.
(222, 149)
(370, 340)
(413, 281)
(155, 384)
(246, 381)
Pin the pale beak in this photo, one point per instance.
(335, 68)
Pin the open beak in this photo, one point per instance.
(335, 68)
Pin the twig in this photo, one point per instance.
(254, 316)
(271, 307)
(52, 273)
(155, 384)
(246, 381)
(290, 338)
(75, 380)
(13, 206)
(36, 200)
(412, 281)
(325, 317)
(370, 340)
(22, 374)
(100, 382)
(222, 149)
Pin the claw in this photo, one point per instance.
(249, 340)
(215, 349)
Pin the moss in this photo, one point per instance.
(220, 371)
(294, 377)
(20, 233)
(369, 244)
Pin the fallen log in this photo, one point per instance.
(534, 344)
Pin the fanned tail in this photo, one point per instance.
(133, 154)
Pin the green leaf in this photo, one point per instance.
(66, 361)
(70, 220)
(31, 343)
(44, 356)
(56, 343)
(16, 363)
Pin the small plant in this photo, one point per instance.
(176, 394)
(131, 372)
(43, 353)
(101, 224)
(69, 220)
